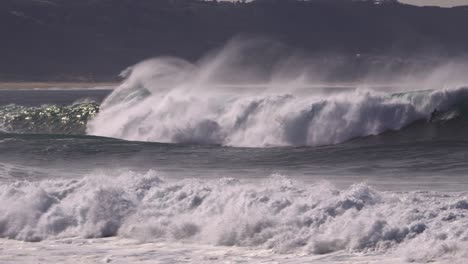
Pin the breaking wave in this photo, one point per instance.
(250, 95)
(169, 100)
(278, 214)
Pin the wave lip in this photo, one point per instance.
(251, 94)
(187, 110)
(279, 214)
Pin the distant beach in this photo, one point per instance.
(56, 85)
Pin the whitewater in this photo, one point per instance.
(276, 216)
(244, 156)
(172, 100)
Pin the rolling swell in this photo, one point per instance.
(48, 119)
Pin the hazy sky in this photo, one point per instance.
(446, 3)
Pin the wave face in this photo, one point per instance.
(277, 214)
(170, 100)
(49, 119)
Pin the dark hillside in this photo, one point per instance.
(95, 39)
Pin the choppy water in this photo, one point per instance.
(254, 173)
(236, 158)
(396, 193)
(39, 139)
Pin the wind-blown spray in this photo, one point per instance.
(227, 99)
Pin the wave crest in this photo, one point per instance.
(188, 110)
(252, 94)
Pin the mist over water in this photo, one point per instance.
(251, 94)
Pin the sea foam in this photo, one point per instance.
(277, 214)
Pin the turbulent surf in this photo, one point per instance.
(218, 160)
(277, 214)
(262, 120)
(171, 100)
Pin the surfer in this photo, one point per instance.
(434, 115)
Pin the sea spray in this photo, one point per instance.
(174, 101)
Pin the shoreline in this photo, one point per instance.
(56, 85)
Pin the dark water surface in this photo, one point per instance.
(39, 97)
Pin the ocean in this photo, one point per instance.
(180, 171)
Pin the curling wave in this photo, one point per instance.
(49, 119)
(170, 100)
(279, 214)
